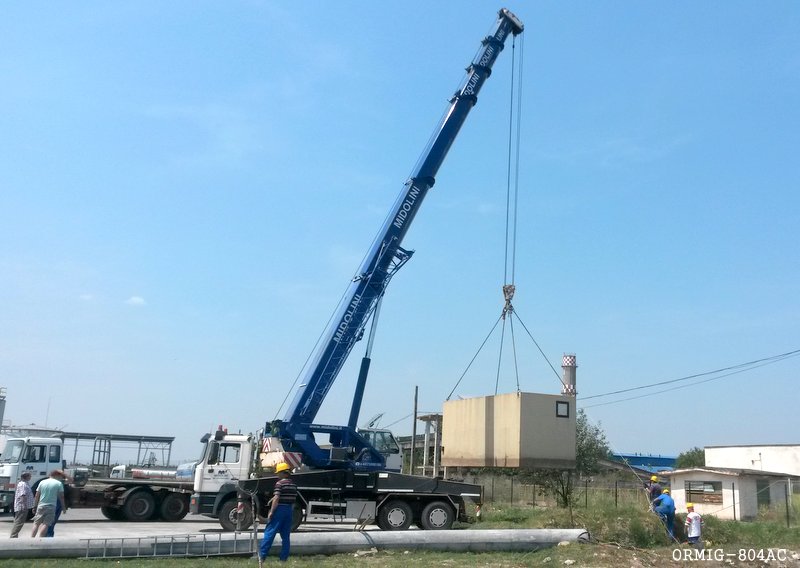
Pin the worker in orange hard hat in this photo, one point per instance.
(279, 519)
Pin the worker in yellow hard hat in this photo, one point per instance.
(694, 527)
(664, 507)
(279, 519)
(653, 489)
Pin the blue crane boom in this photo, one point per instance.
(385, 257)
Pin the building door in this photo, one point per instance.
(762, 493)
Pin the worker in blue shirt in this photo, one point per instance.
(664, 506)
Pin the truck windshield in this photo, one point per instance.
(13, 451)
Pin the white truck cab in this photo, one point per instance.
(38, 456)
(226, 458)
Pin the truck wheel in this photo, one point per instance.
(297, 517)
(228, 516)
(437, 516)
(139, 506)
(395, 516)
(112, 513)
(174, 507)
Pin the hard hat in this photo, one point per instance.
(665, 491)
(283, 466)
(653, 478)
(690, 505)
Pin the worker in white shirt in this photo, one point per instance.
(694, 527)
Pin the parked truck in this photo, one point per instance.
(119, 498)
(347, 474)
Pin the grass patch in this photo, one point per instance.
(635, 527)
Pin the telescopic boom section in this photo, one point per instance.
(385, 257)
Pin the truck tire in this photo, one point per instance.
(174, 507)
(437, 516)
(112, 513)
(139, 506)
(229, 515)
(297, 517)
(395, 516)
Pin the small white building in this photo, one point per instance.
(781, 458)
(728, 493)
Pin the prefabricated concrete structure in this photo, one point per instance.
(519, 430)
(728, 493)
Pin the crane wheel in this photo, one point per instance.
(395, 516)
(437, 516)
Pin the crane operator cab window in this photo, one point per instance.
(382, 440)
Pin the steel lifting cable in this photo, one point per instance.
(512, 216)
(458, 382)
(512, 213)
(512, 173)
(509, 242)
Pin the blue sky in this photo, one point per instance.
(186, 189)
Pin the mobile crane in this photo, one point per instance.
(349, 476)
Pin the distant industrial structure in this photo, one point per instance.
(646, 462)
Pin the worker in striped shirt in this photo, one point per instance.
(279, 519)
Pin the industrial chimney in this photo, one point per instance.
(569, 364)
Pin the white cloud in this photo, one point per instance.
(135, 301)
(86, 297)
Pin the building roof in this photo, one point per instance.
(731, 471)
(642, 472)
(646, 462)
(755, 446)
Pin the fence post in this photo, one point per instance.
(533, 496)
(788, 520)
(512, 491)
(616, 493)
(586, 493)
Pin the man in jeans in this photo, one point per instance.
(50, 492)
(23, 503)
(279, 519)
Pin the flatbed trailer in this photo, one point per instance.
(121, 499)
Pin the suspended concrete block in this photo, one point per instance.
(525, 430)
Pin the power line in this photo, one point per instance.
(765, 360)
(747, 367)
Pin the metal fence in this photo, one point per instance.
(511, 491)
